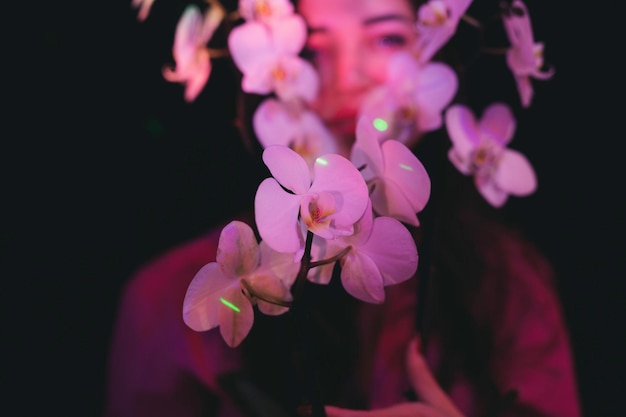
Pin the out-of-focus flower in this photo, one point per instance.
(382, 252)
(144, 7)
(193, 61)
(413, 99)
(437, 21)
(525, 56)
(269, 61)
(280, 123)
(399, 183)
(265, 11)
(216, 297)
(479, 149)
(329, 204)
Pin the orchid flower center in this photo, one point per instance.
(262, 9)
(303, 145)
(316, 210)
(278, 73)
(484, 159)
(439, 14)
(406, 114)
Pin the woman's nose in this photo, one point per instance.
(350, 72)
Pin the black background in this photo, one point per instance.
(106, 167)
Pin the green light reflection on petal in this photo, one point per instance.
(408, 168)
(322, 161)
(380, 124)
(230, 305)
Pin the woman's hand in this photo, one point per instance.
(434, 402)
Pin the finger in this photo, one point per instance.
(399, 410)
(332, 411)
(424, 383)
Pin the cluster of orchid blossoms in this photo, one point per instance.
(320, 207)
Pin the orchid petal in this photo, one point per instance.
(249, 44)
(362, 228)
(188, 29)
(289, 34)
(405, 170)
(276, 216)
(494, 195)
(463, 165)
(257, 78)
(201, 302)
(435, 88)
(235, 316)
(263, 10)
(335, 174)
(525, 90)
(393, 249)
(301, 80)
(322, 249)
(289, 168)
(273, 278)
(362, 279)
(498, 121)
(379, 103)
(366, 149)
(238, 250)
(389, 200)
(198, 79)
(278, 264)
(515, 175)
(272, 123)
(462, 129)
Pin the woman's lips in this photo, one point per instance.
(344, 122)
(342, 128)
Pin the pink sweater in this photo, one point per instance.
(161, 368)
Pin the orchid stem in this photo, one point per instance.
(331, 259)
(471, 21)
(265, 298)
(304, 341)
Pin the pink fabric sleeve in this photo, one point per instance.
(532, 352)
(158, 367)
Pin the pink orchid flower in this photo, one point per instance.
(329, 201)
(265, 11)
(382, 252)
(279, 123)
(193, 62)
(268, 59)
(144, 7)
(437, 21)
(413, 99)
(399, 183)
(479, 149)
(215, 297)
(525, 56)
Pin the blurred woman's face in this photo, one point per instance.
(350, 43)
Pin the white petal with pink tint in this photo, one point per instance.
(289, 168)
(498, 121)
(235, 316)
(238, 251)
(407, 172)
(515, 174)
(276, 215)
(435, 88)
(200, 307)
(361, 278)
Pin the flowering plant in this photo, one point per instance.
(320, 208)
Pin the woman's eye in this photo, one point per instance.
(391, 41)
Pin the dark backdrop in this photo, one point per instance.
(108, 166)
